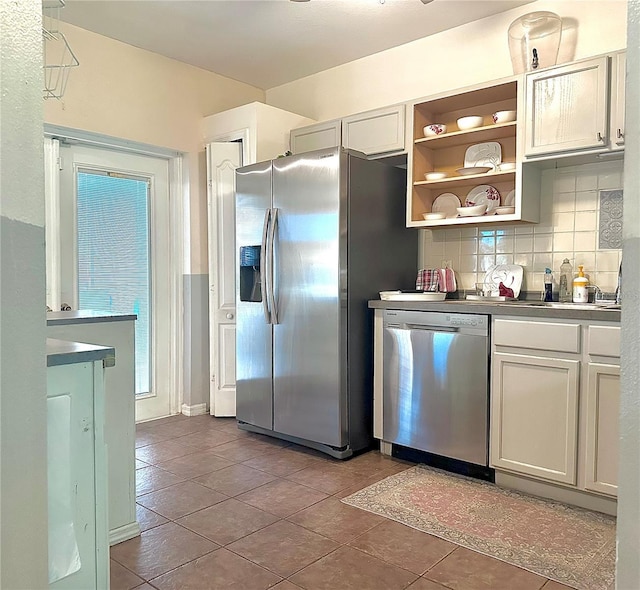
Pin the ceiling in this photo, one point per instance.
(266, 43)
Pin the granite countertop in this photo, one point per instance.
(63, 352)
(517, 308)
(85, 316)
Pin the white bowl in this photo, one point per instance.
(433, 216)
(435, 175)
(434, 130)
(471, 122)
(504, 116)
(472, 211)
(505, 210)
(506, 166)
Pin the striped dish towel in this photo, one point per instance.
(446, 280)
(427, 279)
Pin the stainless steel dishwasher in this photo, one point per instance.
(436, 383)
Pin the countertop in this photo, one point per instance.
(63, 352)
(498, 308)
(85, 316)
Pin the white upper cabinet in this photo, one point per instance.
(316, 137)
(374, 133)
(618, 78)
(567, 108)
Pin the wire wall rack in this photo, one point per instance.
(58, 57)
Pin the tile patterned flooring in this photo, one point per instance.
(221, 508)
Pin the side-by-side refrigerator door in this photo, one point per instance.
(306, 279)
(254, 350)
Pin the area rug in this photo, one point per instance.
(571, 545)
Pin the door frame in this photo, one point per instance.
(179, 241)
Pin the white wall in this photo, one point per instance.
(122, 91)
(23, 423)
(467, 55)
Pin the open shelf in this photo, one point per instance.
(478, 135)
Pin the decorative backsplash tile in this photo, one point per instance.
(579, 208)
(610, 226)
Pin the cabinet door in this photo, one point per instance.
(618, 78)
(534, 416)
(567, 108)
(316, 137)
(601, 453)
(375, 132)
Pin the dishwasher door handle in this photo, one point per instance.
(429, 328)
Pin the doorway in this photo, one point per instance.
(114, 239)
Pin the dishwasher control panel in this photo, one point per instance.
(436, 319)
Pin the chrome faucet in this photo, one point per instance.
(618, 293)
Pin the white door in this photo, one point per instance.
(115, 255)
(222, 161)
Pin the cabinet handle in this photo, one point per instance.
(619, 133)
(600, 137)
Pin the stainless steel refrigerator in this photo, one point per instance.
(317, 235)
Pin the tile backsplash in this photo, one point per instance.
(570, 225)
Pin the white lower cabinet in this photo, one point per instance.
(77, 477)
(554, 411)
(602, 409)
(535, 403)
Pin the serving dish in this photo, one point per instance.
(433, 216)
(435, 175)
(510, 199)
(412, 296)
(470, 122)
(446, 203)
(434, 130)
(510, 275)
(484, 195)
(473, 170)
(488, 153)
(504, 116)
(472, 211)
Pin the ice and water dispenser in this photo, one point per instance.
(250, 277)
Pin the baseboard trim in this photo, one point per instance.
(124, 533)
(194, 410)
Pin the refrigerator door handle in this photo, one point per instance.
(272, 273)
(263, 266)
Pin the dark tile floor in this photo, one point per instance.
(223, 508)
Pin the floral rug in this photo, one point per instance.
(571, 545)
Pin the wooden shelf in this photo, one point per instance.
(471, 136)
(449, 182)
(480, 219)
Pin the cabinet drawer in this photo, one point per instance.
(604, 341)
(537, 335)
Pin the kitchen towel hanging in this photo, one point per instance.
(427, 279)
(436, 279)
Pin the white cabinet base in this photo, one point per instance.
(559, 493)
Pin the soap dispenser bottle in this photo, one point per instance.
(566, 282)
(580, 291)
(548, 285)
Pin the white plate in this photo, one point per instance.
(446, 203)
(484, 195)
(510, 275)
(510, 199)
(483, 154)
(400, 296)
(473, 170)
